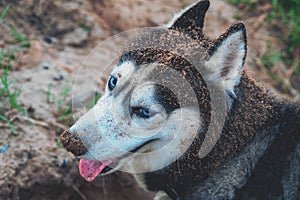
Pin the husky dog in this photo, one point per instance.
(150, 123)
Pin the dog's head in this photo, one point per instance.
(158, 99)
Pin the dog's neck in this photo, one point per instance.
(253, 110)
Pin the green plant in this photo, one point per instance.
(94, 100)
(268, 60)
(4, 58)
(296, 66)
(11, 94)
(4, 11)
(288, 12)
(15, 33)
(60, 100)
(20, 38)
(59, 144)
(271, 56)
(86, 28)
(63, 111)
(10, 125)
(237, 16)
(248, 3)
(9, 90)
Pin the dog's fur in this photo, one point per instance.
(257, 154)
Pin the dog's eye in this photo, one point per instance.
(112, 83)
(142, 112)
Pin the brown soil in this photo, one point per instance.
(35, 166)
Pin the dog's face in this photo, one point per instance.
(151, 113)
(131, 125)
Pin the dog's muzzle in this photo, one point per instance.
(72, 143)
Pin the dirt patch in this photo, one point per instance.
(33, 165)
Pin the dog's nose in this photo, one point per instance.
(72, 143)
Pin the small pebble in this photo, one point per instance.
(59, 77)
(68, 62)
(64, 162)
(46, 67)
(53, 156)
(4, 148)
(29, 155)
(48, 39)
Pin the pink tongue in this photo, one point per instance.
(89, 169)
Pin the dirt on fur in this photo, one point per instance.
(54, 75)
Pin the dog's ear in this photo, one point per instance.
(227, 57)
(190, 19)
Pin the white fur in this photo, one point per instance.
(233, 44)
(177, 16)
(110, 131)
(126, 70)
(176, 136)
(161, 196)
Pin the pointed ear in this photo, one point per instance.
(228, 56)
(190, 19)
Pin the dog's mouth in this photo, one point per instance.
(90, 169)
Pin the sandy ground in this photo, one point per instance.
(34, 165)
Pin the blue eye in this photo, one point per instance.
(142, 112)
(112, 83)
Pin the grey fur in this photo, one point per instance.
(292, 176)
(233, 175)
